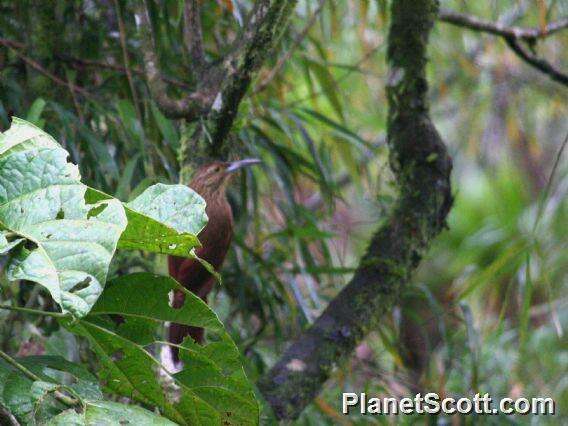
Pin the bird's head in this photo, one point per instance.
(214, 176)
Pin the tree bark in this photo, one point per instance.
(422, 166)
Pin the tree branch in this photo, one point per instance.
(15, 46)
(513, 36)
(268, 18)
(534, 61)
(231, 81)
(192, 105)
(498, 29)
(422, 166)
(79, 62)
(193, 34)
(7, 417)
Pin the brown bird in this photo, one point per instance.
(210, 181)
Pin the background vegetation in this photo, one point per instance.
(486, 310)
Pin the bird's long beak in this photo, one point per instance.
(236, 165)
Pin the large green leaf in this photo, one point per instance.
(30, 400)
(66, 244)
(168, 224)
(212, 390)
(164, 219)
(33, 402)
(63, 235)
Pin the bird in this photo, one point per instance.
(211, 182)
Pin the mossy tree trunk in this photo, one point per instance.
(422, 166)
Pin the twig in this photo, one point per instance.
(548, 188)
(257, 43)
(96, 64)
(193, 33)
(77, 106)
(534, 61)
(126, 60)
(7, 416)
(192, 104)
(340, 79)
(121, 69)
(513, 36)
(61, 397)
(33, 311)
(42, 70)
(498, 29)
(295, 44)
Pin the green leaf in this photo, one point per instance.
(127, 114)
(109, 414)
(164, 219)
(213, 390)
(328, 86)
(167, 225)
(30, 400)
(177, 206)
(69, 242)
(166, 127)
(123, 187)
(147, 296)
(35, 111)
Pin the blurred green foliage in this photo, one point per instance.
(304, 217)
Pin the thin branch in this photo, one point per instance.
(191, 105)
(7, 416)
(498, 29)
(14, 46)
(295, 44)
(121, 69)
(96, 64)
(193, 33)
(61, 397)
(126, 60)
(534, 61)
(33, 311)
(513, 36)
(421, 163)
(267, 19)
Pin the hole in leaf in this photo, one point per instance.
(95, 211)
(176, 299)
(117, 355)
(117, 319)
(60, 214)
(30, 245)
(81, 285)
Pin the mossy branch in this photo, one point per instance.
(422, 165)
(190, 106)
(229, 82)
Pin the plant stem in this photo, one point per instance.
(61, 397)
(33, 311)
